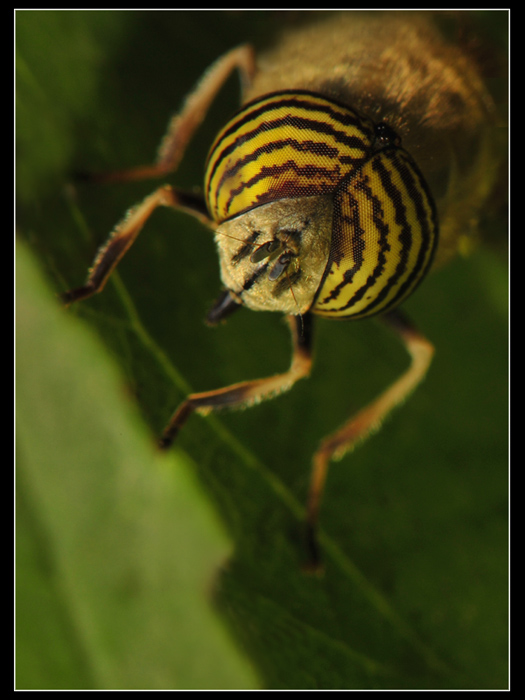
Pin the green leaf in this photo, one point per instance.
(414, 521)
(118, 546)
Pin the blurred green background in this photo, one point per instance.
(141, 571)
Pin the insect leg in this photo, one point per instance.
(183, 125)
(367, 420)
(250, 392)
(125, 233)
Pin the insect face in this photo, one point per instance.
(273, 257)
(308, 187)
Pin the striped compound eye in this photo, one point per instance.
(302, 148)
(384, 235)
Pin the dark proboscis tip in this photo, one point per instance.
(225, 305)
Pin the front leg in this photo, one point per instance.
(126, 232)
(180, 131)
(250, 392)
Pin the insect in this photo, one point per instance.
(347, 173)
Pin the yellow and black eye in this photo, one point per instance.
(384, 237)
(291, 145)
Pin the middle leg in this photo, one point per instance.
(250, 392)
